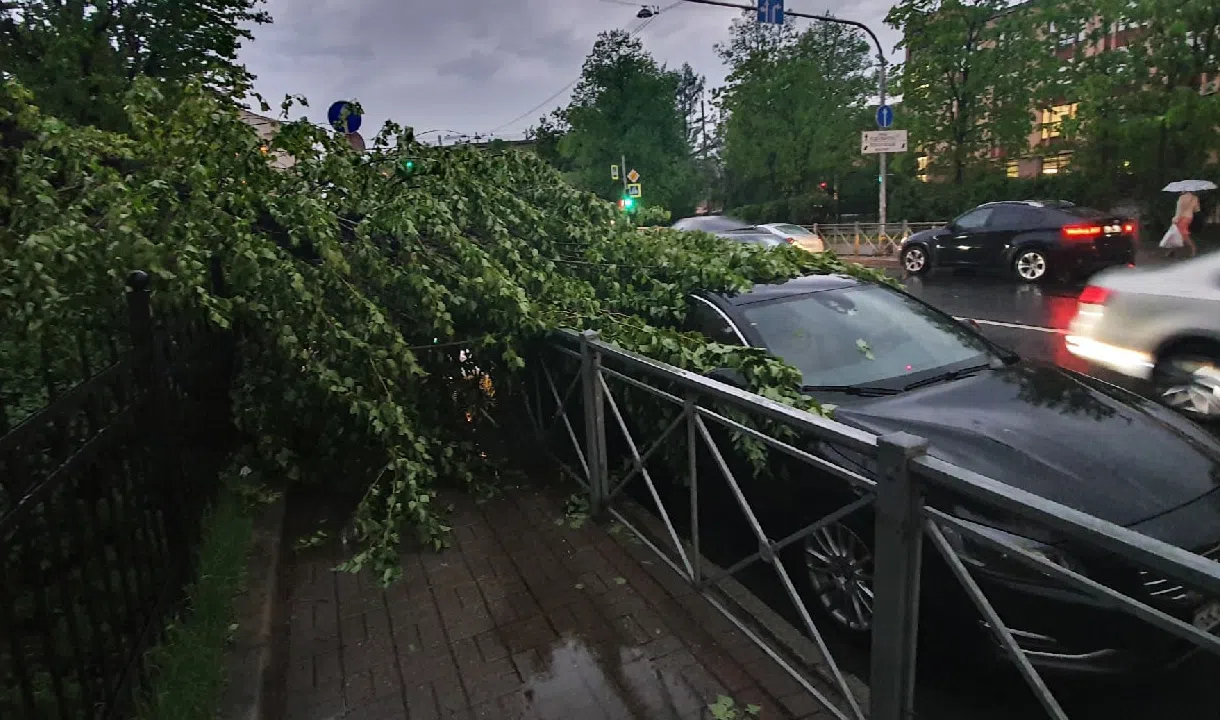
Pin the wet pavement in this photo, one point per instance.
(532, 613)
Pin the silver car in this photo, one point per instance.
(796, 235)
(1160, 324)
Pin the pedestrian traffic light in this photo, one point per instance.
(627, 203)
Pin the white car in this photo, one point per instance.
(796, 235)
(1160, 324)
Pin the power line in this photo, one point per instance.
(565, 88)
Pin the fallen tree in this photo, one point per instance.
(361, 285)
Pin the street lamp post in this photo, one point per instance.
(881, 74)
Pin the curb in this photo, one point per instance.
(250, 661)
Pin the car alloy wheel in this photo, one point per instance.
(1031, 265)
(914, 260)
(840, 568)
(1190, 384)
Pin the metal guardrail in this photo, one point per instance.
(903, 523)
(868, 238)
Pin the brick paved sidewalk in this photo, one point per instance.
(524, 617)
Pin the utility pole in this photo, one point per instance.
(702, 128)
(622, 172)
(881, 201)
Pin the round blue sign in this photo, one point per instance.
(334, 116)
(885, 116)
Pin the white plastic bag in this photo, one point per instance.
(1172, 238)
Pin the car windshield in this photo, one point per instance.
(866, 335)
(711, 223)
(792, 230)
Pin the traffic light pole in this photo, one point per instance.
(840, 21)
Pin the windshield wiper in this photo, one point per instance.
(946, 377)
(864, 391)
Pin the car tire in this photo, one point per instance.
(839, 544)
(1031, 265)
(1187, 380)
(915, 260)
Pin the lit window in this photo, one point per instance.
(1013, 169)
(1052, 119)
(1055, 164)
(921, 168)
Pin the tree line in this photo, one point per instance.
(1099, 102)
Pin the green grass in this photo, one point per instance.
(189, 669)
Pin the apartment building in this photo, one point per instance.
(1045, 154)
(266, 128)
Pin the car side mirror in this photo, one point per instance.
(728, 376)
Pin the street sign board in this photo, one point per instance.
(771, 12)
(348, 123)
(614, 172)
(885, 116)
(883, 141)
(633, 176)
(634, 190)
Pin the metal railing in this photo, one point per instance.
(895, 477)
(868, 238)
(102, 494)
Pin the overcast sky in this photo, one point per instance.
(477, 65)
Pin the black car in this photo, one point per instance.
(890, 362)
(1034, 240)
(730, 228)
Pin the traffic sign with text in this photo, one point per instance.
(634, 190)
(885, 116)
(633, 176)
(771, 12)
(883, 141)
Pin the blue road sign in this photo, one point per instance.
(885, 116)
(771, 12)
(335, 112)
(634, 190)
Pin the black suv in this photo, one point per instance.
(1034, 240)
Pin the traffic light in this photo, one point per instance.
(825, 187)
(627, 203)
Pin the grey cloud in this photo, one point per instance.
(468, 65)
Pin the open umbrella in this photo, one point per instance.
(1182, 186)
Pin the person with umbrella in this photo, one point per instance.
(1184, 215)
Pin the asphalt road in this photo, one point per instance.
(1030, 319)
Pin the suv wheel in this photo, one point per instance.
(1031, 265)
(915, 260)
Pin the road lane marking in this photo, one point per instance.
(1015, 326)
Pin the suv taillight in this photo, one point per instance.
(1081, 232)
(1093, 295)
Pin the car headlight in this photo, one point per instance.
(997, 561)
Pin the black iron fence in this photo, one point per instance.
(867, 506)
(102, 491)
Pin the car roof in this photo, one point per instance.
(1031, 203)
(791, 288)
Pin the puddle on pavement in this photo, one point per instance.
(622, 681)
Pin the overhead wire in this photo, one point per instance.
(639, 29)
